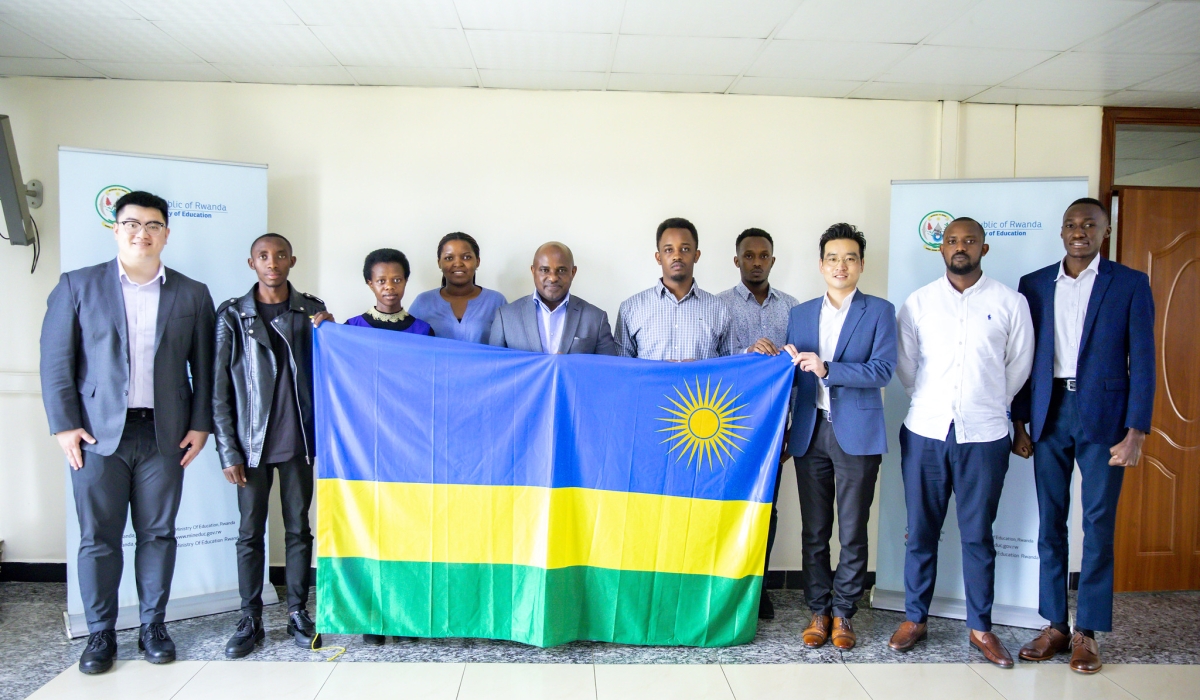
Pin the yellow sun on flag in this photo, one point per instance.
(704, 423)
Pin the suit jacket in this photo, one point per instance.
(862, 364)
(585, 330)
(85, 358)
(1115, 373)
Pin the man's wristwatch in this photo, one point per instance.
(826, 370)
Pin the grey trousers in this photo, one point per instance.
(135, 479)
(825, 473)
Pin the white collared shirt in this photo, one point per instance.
(141, 322)
(829, 330)
(1071, 297)
(551, 323)
(962, 358)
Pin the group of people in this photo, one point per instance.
(1070, 355)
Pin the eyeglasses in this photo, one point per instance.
(838, 260)
(132, 226)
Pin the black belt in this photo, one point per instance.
(826, 415)
(140, 414)
(1068, 384)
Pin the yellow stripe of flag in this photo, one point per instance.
(541, 527)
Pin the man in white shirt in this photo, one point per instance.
(965, 350)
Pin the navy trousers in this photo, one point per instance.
(1062, 444)
(933, 470)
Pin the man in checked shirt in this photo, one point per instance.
(675, 320)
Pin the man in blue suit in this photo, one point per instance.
(1088, 401)
(844, 346)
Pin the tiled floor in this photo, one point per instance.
(34, 652)
(265, 680)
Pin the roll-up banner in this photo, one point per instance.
(1022, 218)
(216, 210)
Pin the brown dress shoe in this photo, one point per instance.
(993, 649)
(817, 631)
(1085, 654)
(843, 634)
(908, 635)
(1049, 643)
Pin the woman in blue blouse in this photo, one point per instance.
(461, 309)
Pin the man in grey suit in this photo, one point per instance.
(117, 345)
(551, 320)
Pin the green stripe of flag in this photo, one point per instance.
(532, 605)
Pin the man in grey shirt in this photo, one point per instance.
(675, 320)
(760, 323)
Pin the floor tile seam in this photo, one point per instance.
(327, 677)
(1110, 679)
(729, 685)
(190, 679)
(595, 684)
(989, 684)
(458, 693)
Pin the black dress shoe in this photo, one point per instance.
(375, 640)
(302, 629)
(766, 611)
(154, 640)
(100, 652)
(249, 632)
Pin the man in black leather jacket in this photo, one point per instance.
(263, 419)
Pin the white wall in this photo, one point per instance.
(355, 168)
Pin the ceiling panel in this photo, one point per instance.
(673, 55)
(1138, 98)
(669, 83)
(231, 11)
(590, 16)
(1171, 27)
(1025, 96)
(706, 18)
(423, 77)
(542, 80)
(540, 50)
(871, 20)
(1186, 79)
(1054, 25)
(948, 65)
(797, 87)
(252, 44)
(192, 72)
(826, 60)
(1097, 71)
(111, 9)
(15, 43)
(424, 47)
(392, 13)
(103, 39)
(929, 92)
(47, 67)
(288, 75)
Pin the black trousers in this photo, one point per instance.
(295, 496)
(825, 474)
(135, 479)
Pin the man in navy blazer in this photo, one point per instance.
(1088, 401)
(844, 347)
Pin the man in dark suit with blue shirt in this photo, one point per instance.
(844, 347)
(1088, 401)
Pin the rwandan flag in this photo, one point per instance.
(471, 491)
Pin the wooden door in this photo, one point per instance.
(1158, 520)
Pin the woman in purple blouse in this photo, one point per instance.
(386, 272)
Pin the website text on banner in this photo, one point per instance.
(1022, 219)
(470, 491)
(216, 210)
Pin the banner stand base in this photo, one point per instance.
(129, 617)
(956, 609)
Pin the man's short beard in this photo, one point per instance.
(965, 269)
(678, 276)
